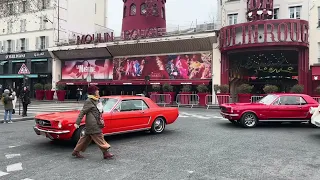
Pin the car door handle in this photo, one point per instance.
(142, 112)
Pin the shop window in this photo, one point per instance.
(124, 11)
(16, 67)
(143, 9)
(6, 68)
(39, 67)
(133, 10)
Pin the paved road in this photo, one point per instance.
(193, 147)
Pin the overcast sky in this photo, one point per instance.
(179, 13)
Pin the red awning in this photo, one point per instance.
(83, 82)
(315, 72)
(127, 82)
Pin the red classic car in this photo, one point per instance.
(292, 108)
(122, 114)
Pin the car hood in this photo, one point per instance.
(60, 116)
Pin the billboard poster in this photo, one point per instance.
(81, 69)
(182, 66)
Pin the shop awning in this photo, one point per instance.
(315, 72)
(162, 45)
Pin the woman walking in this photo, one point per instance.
(7, 102)
(14, 101)
(93, 124)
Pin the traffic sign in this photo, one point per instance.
(24, 69)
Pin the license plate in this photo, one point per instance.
(43, 134)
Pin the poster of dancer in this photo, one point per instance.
(183, 66)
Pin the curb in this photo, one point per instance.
(20, 119)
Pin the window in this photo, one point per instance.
(143, 8)
(42, 42)
(11, 10)
(295, 12)
(155, 10)
(39, 67)
(22, 44)
(125, 11)
(233, 18)
(9, 27)
(133, 10)
(24, 6)
(131, 105)
(43, 22)
(276, 13)
(108, 103)
(6, 68)
(318, 17)
(290, 100)
(9, 45)
(163, 16)
(23, 25)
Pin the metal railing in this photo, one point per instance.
(187, 100)
(256, 98)
(216, 100)
(317, 99)
(161, 99)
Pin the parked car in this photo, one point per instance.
(292, 108)
(122, 114)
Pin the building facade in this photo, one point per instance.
(264, 42)
(30, 27)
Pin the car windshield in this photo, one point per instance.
(108, 103)
(268, 99)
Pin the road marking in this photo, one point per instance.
(9, 156)
(26, 179)
(3, 173)
(14, 167)
(12, 146)
(182, 115)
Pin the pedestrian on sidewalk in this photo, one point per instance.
(14, 102)
(7, 98)
(25, 98)
(93, 110)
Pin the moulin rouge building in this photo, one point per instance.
(264, 50)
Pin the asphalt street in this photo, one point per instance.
(199, 145)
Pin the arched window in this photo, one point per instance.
(124, 11)
(133, 10)
(155, 10)
(143, 9)
(163, 15)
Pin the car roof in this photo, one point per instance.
(290, 94)
(124, 97)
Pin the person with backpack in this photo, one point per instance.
(8, 106)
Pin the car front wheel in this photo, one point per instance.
(81, 131)
(249, 120)
(158, 125)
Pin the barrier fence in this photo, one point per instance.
(216, 100)
(161, 99)
(187, 100)
(256, 98)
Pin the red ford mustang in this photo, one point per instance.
(122, 114)
(292, 108)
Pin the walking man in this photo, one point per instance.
(8, 106)
(25, 98)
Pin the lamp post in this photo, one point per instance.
(146, 79)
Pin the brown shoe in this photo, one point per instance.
(77, 154)
(107, 155)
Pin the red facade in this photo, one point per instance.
(141, 15)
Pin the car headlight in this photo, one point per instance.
(59, 125)
(231, 110)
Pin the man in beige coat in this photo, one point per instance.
(93, 129)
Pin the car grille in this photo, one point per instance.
(41, 122)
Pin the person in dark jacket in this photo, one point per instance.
(93, 109)
(25, 98)
(8, 106)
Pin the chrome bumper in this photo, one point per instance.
(48, 131)
(226, 114)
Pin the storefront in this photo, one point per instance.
(121, 67)
(265, 52)
(38, 63)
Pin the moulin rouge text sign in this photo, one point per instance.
(126, 35)
(264, 32)
(259, 4)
